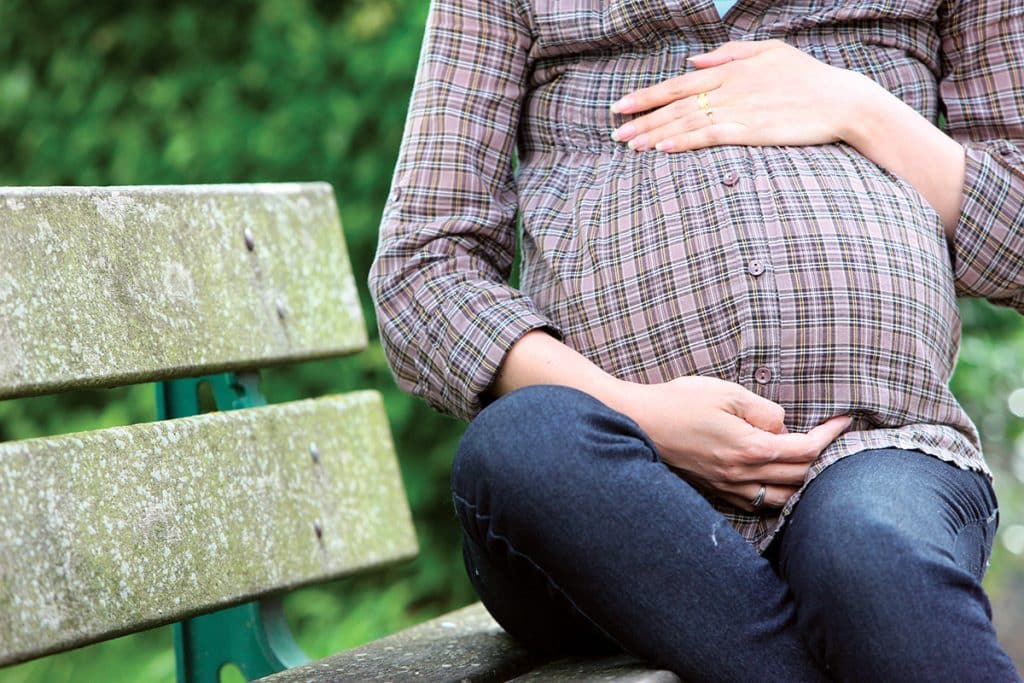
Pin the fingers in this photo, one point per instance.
(707, 136)
(680, 127)
(775, 497)
(784, 476)
(760, 412)
(687, 85)
(738, 49)
(829, 431)
(743, 495)
(693, 83)
(646, 131)
(675, 121)
(796, 448)
(779, 474)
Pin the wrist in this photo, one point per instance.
(538, 358)
(615, 393)
(887, 131)
(637, 402)
(859, 108)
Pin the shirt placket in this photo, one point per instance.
(759, 367)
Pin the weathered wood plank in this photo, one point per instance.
(466, 645)
(105, 286)
(106, 532)
(618, 668)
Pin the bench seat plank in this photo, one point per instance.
(111, 286)
(619, 668)
(137, 526)
(465, 645)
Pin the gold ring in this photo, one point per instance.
(705, 106)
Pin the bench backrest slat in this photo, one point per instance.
(107, 286)
(111, 531)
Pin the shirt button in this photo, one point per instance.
(755, 267)
(763, 375)
(730, 178)
(397, 194)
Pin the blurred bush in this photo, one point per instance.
(187, 91)
(121, 93)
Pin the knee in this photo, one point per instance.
(534, 440)
(845, 558)
(858, 529)
(861, 574)
(869, 557)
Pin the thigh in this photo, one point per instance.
(872, 504)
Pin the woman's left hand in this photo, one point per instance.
(757, 93)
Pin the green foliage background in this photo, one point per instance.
(120, 93)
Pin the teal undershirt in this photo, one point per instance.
(723, 6)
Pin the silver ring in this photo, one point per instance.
(759, 498)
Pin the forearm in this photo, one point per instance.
(539, 358)
(893, 135)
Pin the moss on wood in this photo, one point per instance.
(119, 529)
(105, 286)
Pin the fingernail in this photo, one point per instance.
(638, 143)
(622, 104)
(664, 146)
(624, 133)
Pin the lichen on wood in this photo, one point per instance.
(106, 532)
(106, 286)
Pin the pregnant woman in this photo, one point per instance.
(712, 426)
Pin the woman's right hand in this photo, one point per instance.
(726, 439)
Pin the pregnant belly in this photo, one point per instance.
(809, 267)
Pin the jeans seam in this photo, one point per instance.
(980, 522)
(547, 577)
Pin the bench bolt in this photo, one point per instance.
(314, 452)
(281, 311)
(250, 241)
(318, 529)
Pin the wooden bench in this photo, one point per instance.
(204, 519)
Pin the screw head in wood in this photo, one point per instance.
(314, 453)
(250, 241)
(318, 529)
(281, 310)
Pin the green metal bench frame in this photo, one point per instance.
(253, 636)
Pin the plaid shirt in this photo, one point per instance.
(809, 275)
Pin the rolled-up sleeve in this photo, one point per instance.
(447, 240)
(982, 90)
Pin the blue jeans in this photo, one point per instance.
(578, 539)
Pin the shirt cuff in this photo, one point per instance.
(988, 242)
(472, 344)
